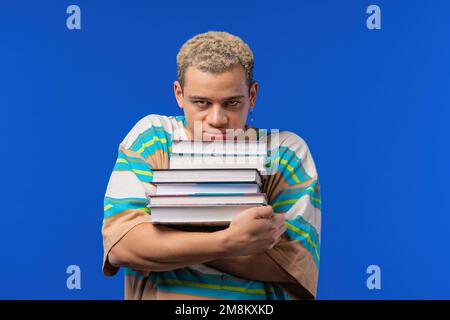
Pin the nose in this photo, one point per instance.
(217, 117)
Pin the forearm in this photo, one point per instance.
(157, 248)
(259, 267)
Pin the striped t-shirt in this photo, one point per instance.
(293, 189)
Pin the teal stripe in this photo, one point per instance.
(206, 292)
(122, 205)
(306, 227)
(122, 167)
(304, 241)
(180, 118)
(130, 272)
(226, 280)
(136, 163)
(142, 137)
(115, 200)
(292, 198)
(117, 209)
(285, 207)
(272, 291)
(164, 285)
(269, 291)
(142, 177)
(149, 135)
(314, 184)
(162, 280)
(141, 169)
(292, 160)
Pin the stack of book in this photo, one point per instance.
(208, 183)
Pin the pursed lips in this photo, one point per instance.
(215, 132)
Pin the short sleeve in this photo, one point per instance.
(126, 198)
(293, 189)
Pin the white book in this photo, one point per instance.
(178, 161)
(206, 175)
(230, 147)
(197, 215)
(206, 199)
(210, 188)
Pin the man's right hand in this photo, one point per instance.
(253, 230)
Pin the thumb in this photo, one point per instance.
(264, 212)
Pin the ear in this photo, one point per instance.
(253, 93)
(178, 91)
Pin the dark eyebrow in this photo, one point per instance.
(234, 97)
(197, 98)
(204, 98)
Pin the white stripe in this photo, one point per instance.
(307, 211)
(125, 184)
(178, 130)
(152, 120)
(301, 149)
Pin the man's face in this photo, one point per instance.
(217, 101)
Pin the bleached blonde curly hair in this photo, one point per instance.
(215, 52)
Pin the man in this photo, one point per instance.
(269, 252)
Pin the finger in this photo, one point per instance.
(279, 219)
(283, 224)
(281, 231)
(277, 242)
(278, 239)
(264, 212)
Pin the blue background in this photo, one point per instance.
(373, 106)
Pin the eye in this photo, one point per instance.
(233, 103)
(201, 103)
